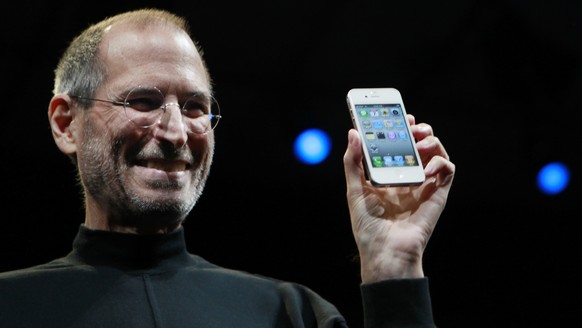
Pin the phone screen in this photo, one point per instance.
(386, 136)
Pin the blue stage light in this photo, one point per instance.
(312, 146)
(553, 178)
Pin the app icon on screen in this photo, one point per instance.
(399, 160)
(377, 124)
(377, 161)
(410, 160)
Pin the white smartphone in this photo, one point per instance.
(390, 154)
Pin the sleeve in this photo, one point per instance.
(397, 303)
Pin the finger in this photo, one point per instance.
(429, 147)
(443, 168)
(353, 168)
(421, 131)
(411, 119)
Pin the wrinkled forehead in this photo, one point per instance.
(153, 53)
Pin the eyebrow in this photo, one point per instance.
(207, 95)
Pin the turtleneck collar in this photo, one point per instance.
(130, 252)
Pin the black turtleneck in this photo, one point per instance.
(125, 280)
(155, 253)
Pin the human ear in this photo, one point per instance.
(62, 122)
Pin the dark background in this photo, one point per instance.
(499, 81)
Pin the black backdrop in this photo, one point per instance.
(498, 80)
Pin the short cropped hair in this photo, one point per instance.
(80, 70)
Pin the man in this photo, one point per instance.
(132, 108)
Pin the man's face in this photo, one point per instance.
(147, 178)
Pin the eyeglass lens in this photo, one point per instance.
(145, 106)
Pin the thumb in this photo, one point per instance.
(353, 168)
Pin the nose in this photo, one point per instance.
(171, 126)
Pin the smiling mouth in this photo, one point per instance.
(165, 165)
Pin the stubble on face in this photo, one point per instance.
(103, 166)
